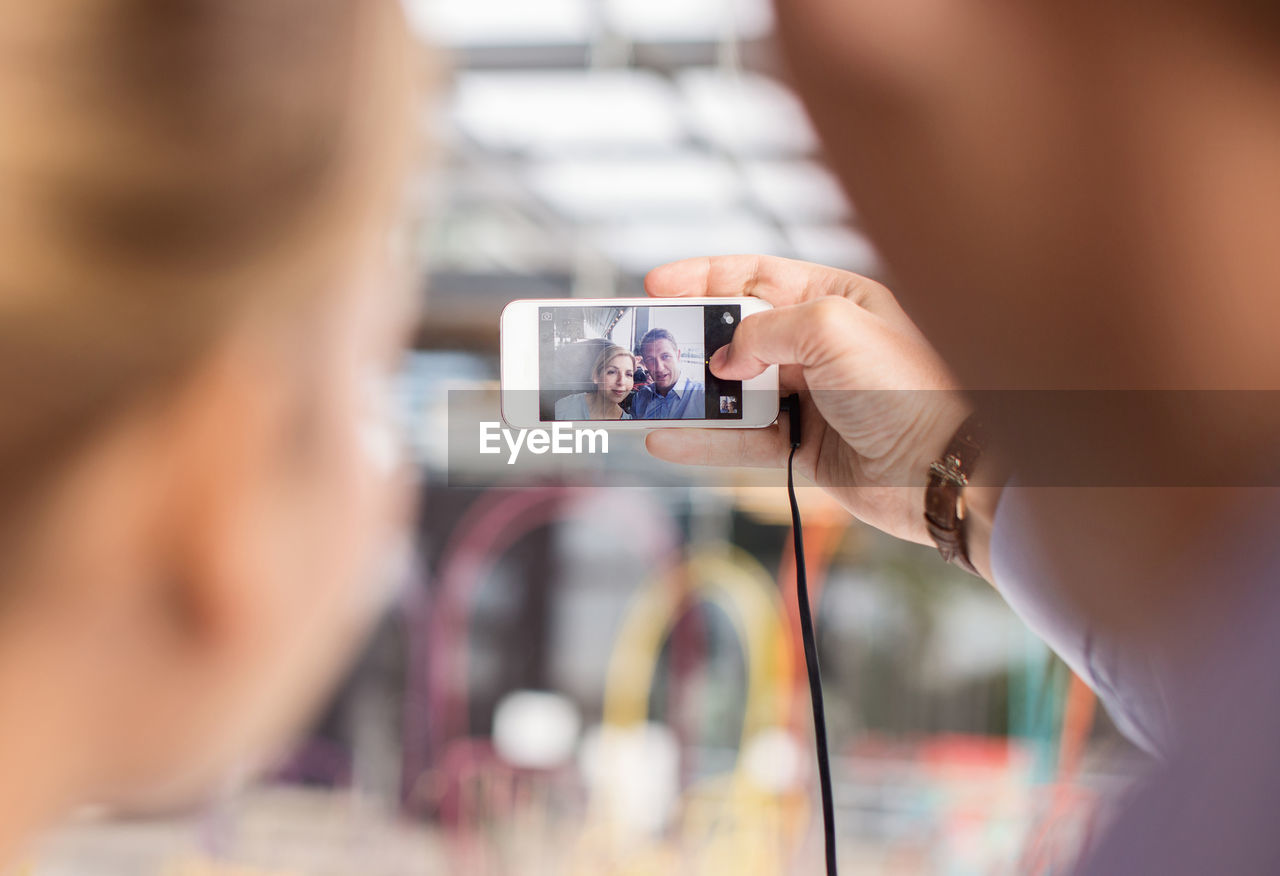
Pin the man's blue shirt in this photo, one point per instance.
(685, 400)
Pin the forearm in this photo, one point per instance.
(1132, 682)
(981, 502)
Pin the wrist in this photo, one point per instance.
(959, 510)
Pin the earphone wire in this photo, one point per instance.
(811, 647)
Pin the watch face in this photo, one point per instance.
(944, 504)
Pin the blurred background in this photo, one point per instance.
(581, 677)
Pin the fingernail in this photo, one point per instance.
(718, 358)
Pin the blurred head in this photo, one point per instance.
(661, 356)
(1028, 172)
(196, 301)
(614, 373)
(1075, 195)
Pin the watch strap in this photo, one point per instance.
(944, 509)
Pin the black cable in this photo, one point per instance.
(791, 404)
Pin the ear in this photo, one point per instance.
(146, 601)
(148, 516)
(226, 429)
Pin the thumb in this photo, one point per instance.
(807, 334)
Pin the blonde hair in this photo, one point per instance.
(166, 166)
(607, 355)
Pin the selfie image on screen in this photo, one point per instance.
(634, 363)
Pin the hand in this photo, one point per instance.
(867, 440)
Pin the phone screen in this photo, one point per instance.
(635, 363)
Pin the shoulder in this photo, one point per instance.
(569, 407)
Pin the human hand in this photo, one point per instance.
(879, 406)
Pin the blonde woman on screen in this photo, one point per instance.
(614, 375)
(195, 296)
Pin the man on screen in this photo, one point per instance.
(669, 396)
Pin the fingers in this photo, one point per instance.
(809, 335)
(778, 281)
(754, 448)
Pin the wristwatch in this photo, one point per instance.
(944, 508)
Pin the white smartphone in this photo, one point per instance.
(629, 363)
